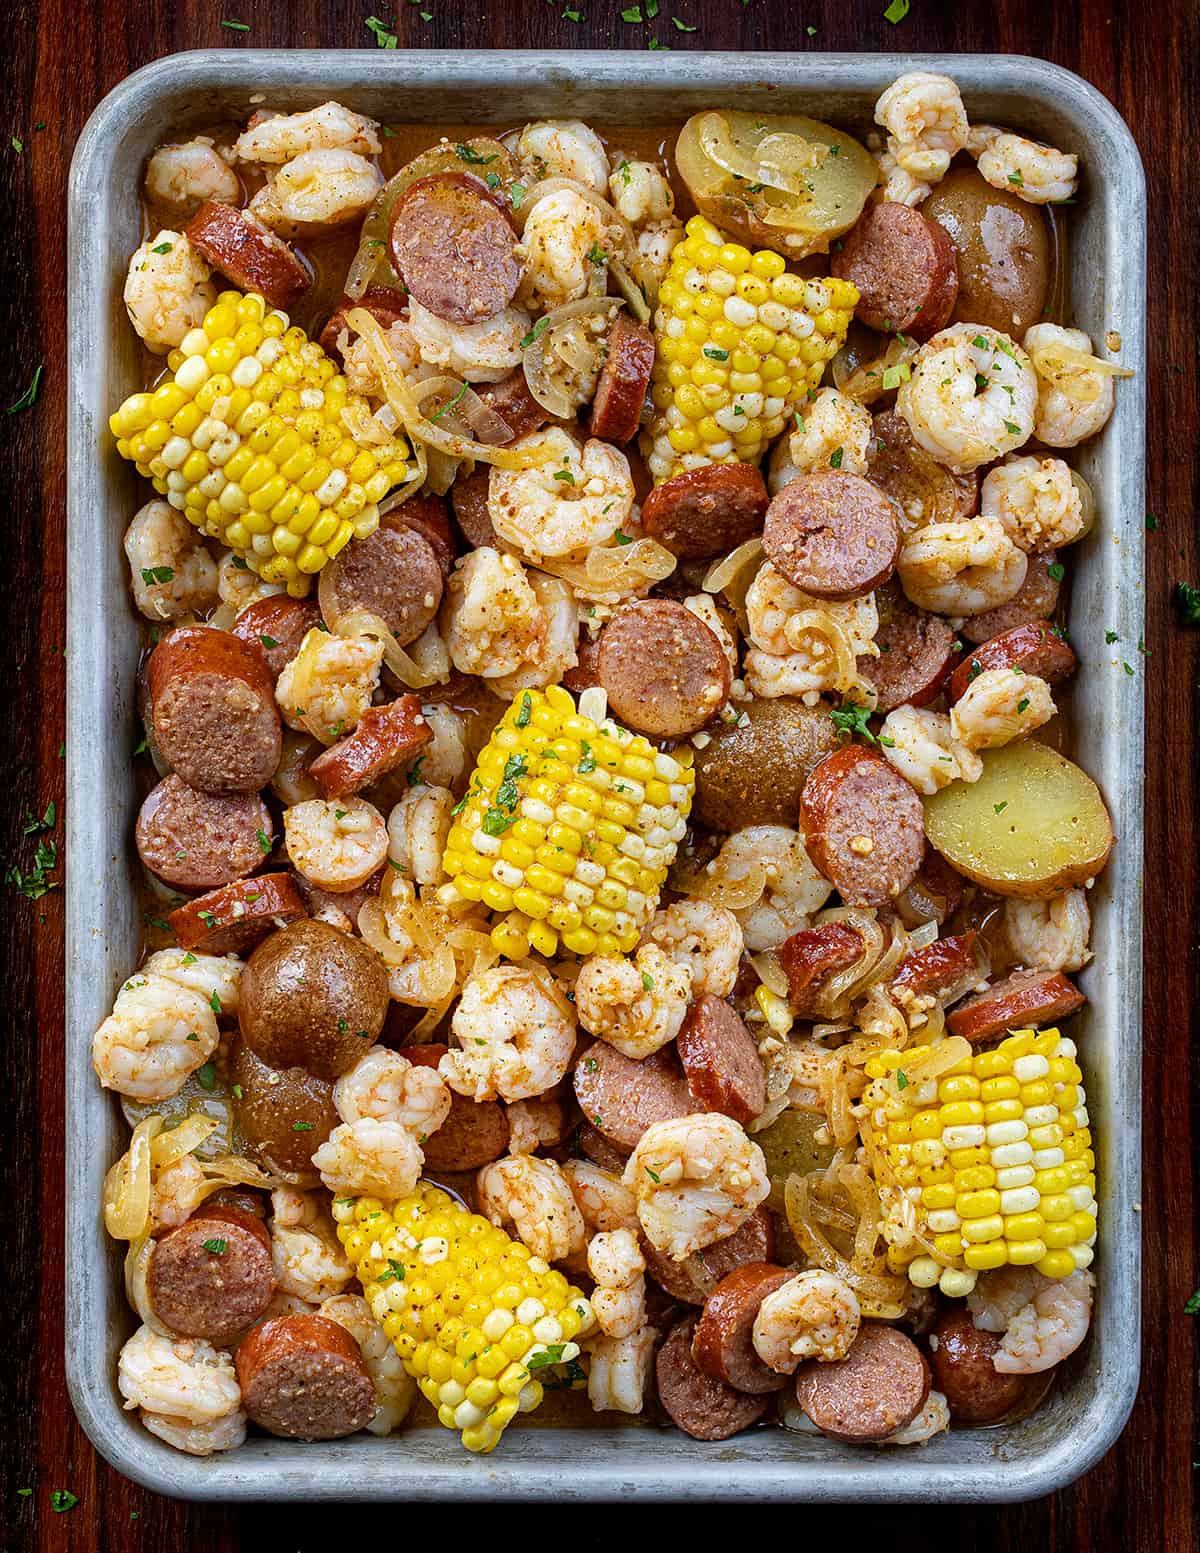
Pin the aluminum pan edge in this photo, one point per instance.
(427, 1464)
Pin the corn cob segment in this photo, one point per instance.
(248, 438)
(567, 830)
(473, 1314)
(991, 1163)
(740, 342)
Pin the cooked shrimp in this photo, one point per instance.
(1027, 168)
(533, 1196)
(338, 676)
(813, 1316)
(615, 1261)
(361, 366)
(491, 618)
(1044, 1320)
(239, 587)
(417, 829)
(223, 1434)
(924, 749)
(172, 573)
(1050, 935)
(555, 649)
(214, 976)
(1075, 397)
(780, 619)
(444, 759)
(292, 1208)
(635, 1005)
(605, 1202)
(157, 1035)
(792, 888)
(176, 1191)
(516, 1034)
(562, 231)
(1039, 501)
(961, 568)
(317, 189)
(971, 396)
(307, 1256)
(565, 148)
(167, 290)
(998, 706)
(180, 1377)
(926, 123)
(619, 1370)
(370, 1158)
(184, 175)
(278, 137)
(480, 353)
(534, 1125)
(385, 1085)
(696, 1179)
(566, 506)
(395, 1389)
(706, 939)
(337, 843)
(640, 190)
(833, 427)
(933, 1418)
(655, 243)
(899, 186)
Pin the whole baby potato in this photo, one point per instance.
(753, 773)
(1002, 246)
(285, 1114)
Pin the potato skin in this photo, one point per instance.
(285, 1114)
(754, 773)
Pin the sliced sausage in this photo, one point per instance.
(904, 267)
(303, 1378)
(960, 1356)
(276, 626)
(393, 573)
(231, 920)
(916, 653)
(285, 1114)
(925, 491)
(879, 1386)
(1037, 648)
(586, 671)
(723, 1343)
(705, 512)
(694, 1279)
(197, 841)
(934, 895)
(426, 512)
(833, 534)
(599, 1150)
(475, 1132)
(511, 400)
(1024, 1000)
(469, 495)
(624, 380)
(863, 825)
(811, 956)
(384, 303)
(212, 1276)
(1035, 599)
(213, 704)
(944, 969)
(248, 253)
(705, 1408)
(665, 672)
(451, 245)
(721, 1061)
(621, 1097)
(383, 738)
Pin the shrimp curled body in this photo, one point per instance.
(706, 939)
(157, 1035)
(1000, 705)
(697, 1179)
(1044, 1320)
(570, 504)
(813, 1316)
(516, 1035)
(635, 1005)
(970, 398)
(1050, 935)
(534, 1197)
(961, 568)
(924, 750)
(616, 1263)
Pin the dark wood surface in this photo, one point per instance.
(61, 59)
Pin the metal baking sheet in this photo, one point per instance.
(1092, 1400)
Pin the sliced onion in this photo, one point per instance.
(1059, 364)
(621, 569)
(770, 972)
(721, 573)
(533, 358)
(921, 937)
(364, 622)
(128, 1183)
(184, 1139)
(464, 413)
(638, 286)
(233, 1170)
(863, 381)
(137, 1269)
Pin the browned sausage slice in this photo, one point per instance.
(723, 1343)
(599, 1150)
(704, 512)
(706, 1409)
(944, 969)
(694, 1279)
(879, 1386)
(665, 672)
(212, 1276)
(924, 490)
(811, 956)
(833, 534)
(934, 895)
(961, 1358)
(473, 1134)
(621, 1097)
(197, 841)
(904, 267)
(303, 1378)
(276, 626)
(426, 512)
(469, 497)
(624, 380)
(213, 705)
(393, 573)
(1037, 648)
(384, 737)
(1035, 599)
(514, 404)
(231, 920)
(863, 825)
(250, 254)
(916, 653)
(586, 671)
(384, 303)
(721, 1061)
(453, 248)
(1024, 1000)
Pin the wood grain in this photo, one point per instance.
(62, 59)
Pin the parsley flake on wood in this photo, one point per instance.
(62, 1499)
(33, 825)
(384, 38)
(1187, 602)
(682, 26)
(237, 26)
(29, 398)
(1192, 1306)
(896, 12)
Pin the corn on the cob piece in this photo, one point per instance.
(992, 1161)
(474, 1315)
(740, 341)
(247, 438)
(567, 830)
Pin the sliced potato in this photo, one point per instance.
(1033, 824)
(790, 1148)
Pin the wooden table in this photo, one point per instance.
(62, 60)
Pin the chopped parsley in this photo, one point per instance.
(980, 342)
(237, 1091)
(622, 538)
(413, 777)
(1000, 807)
(384, 38)
(597, 255)
(236, 26)
(1015, 177)
(654, 1175)
(469, 155)
(446, 408)
(157, 574)
(394, 1274)
(215, 1003)
(896, 12)
(1012, 428)
(206, 1077)
(835, 459)
(264, 842)
(894, 376)
(268, 641)
(632, 13)
(538, 329)
(851, 719)
(1056, 570)
(552, 1354)
(302, 1126)
(33, 825)
(565, 476)
(163, 248)
(1128, 667)
(647, 981)
(494, 823)
(1151, 523)
(1187, 602)
(682, 26)
(1110, 637)
(526, 711)
(715, 353)
(901, 1079)
(1192, 1304)
(62, 1499)
(516, 194)
(214, 1247)
(587, 761)
(29, 398)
